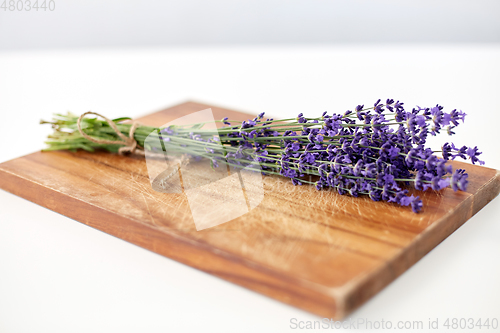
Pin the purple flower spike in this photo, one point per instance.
(416, 204)
(473, 153)
(374, 151)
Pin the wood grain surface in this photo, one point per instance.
(315, 250)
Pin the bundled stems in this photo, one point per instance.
(377, 151)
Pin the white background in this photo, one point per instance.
(129, 58)
(132, 23)
(57, 275)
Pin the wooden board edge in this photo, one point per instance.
(359, 292)
(488, 191)
(259, 279)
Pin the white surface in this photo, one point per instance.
(128, 23)
(57, 275)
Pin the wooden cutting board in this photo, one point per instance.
(318, 251)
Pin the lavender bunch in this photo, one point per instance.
(377, 151)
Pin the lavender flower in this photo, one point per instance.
(376, 151)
